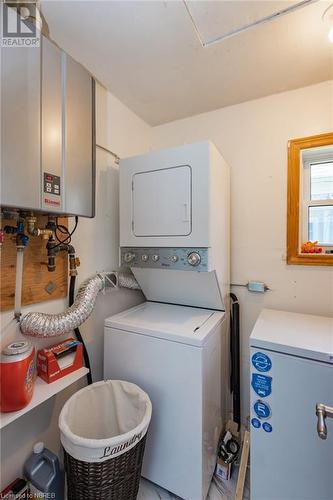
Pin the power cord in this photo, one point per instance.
(64, 230)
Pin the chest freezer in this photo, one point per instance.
(291, 373)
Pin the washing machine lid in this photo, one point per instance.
(187, 325)
(188, 288)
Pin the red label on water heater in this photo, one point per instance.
(53, 203)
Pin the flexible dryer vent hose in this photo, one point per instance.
(39, 324)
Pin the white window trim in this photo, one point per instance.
(311, 157)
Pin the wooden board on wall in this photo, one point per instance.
(36, 277)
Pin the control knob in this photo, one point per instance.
(144, 257)
(155, 258)
(129, 256)
(194, 259)
(174, 258)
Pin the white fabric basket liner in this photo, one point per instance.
(104, 420)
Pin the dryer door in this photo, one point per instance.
(162, 204)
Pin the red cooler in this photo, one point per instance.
(17, 375)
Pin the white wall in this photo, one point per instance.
(253, 139)
(96, 242)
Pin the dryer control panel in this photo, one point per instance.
(184, 259)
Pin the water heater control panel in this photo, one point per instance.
(184, 259)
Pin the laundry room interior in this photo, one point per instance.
(167, 249)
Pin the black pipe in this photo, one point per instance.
(235, 359)
(51, 254)
(77, 331)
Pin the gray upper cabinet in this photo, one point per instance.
(48, 132)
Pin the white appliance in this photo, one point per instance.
(174, 354)
(174, 216)
(174, 235)
(291, 373)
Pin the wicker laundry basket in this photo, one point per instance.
(103, 433)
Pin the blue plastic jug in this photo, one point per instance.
(43, 471)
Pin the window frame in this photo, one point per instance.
(296, 204)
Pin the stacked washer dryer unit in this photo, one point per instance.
(174, 235)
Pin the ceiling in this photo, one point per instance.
(214, 20)
(148, 54)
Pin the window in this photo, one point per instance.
(317, 212)
(310, 200)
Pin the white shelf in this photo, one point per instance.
(42, 392)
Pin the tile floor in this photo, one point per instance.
(224, 491)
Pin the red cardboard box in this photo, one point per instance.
(59, 360)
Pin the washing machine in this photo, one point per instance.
(174, 353)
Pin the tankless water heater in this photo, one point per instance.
(47, 131)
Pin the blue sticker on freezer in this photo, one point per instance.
(261, 384)
(261, 362)
(262, 409)
(267, 427)
(256, 423)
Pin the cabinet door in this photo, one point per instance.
(20, 127)
(51, 122)
(162, 202)
(79, 139)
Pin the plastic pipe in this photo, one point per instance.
(18, 282)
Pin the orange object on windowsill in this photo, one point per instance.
(311, 247)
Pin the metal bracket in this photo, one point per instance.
(50, 287)
(109, 279)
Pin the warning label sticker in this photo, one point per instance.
(261, 384)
